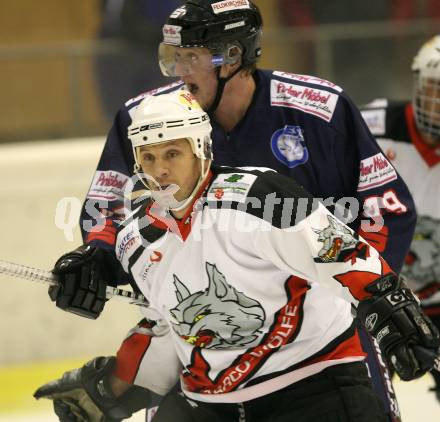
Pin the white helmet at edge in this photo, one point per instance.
(426, 95)
(167, 117)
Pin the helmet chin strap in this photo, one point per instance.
(178, 206)
(165, 197)
(221, 82)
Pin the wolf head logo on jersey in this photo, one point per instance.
(339, 243)
(213, 318)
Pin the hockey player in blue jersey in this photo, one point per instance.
(301, 126)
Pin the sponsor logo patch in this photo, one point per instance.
(375, 171)
(382, 333)
(178, 13)
(156, 256)
(189, 100)
(288, 146)
(151, 126)
(125, 244)
(171, 34)
(231, 187)
(234, 25)
(227, 5)
(308, 79)
(370, 321)
(314, 101)
(375, 120)
(108, 185)
(396, 297)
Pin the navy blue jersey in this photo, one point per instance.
(301, 126)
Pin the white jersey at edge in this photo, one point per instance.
(250, 291)
(419, 165)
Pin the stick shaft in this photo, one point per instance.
(46, 277)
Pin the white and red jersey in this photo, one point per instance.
(395, 129)
(251, 290)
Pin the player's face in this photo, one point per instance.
(431, 98)
(429, 95)
(171, 163)
(195, 66)
(200, 79)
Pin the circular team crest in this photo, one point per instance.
(288, 146)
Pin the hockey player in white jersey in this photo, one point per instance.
(250, 283)
(409, 134)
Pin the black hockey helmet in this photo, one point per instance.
(216, 25)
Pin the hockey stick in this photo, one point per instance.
(43, 276)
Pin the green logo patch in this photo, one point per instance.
(234, 178)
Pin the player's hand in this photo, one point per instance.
(84, 394)
(82, 280)
(406, 336)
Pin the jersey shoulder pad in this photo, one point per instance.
(262, 192)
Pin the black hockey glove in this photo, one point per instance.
(84, 395)
(406, 336)
(83, 275)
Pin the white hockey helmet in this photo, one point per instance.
(426, 95)
(167, 117)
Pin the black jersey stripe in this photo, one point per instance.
(273, 197)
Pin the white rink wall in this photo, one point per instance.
(34, 177)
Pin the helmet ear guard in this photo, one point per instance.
(234, 53)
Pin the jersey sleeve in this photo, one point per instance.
(321, 249)
(105, 205)
(386, 216)
(147, 357)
